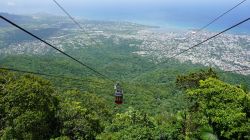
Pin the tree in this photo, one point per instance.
(90, 101)
(28, 107)
(78, 122)
(5, 78)
(222, 107)
(207, 134)
(82, 115)
(129, 125)
(192, 80)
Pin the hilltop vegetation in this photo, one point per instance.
(33, 108)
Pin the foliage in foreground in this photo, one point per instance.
(27, 107)
(31, 108)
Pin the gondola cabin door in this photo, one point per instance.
(118, 98)
(118, 94)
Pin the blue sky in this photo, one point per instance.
(182, 13)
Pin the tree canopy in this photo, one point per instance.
(203, 107)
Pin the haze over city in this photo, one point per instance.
(165, 13)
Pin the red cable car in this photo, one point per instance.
(118, 94)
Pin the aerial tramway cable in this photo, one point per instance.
(100, 74)
(47, 75)
(215, 19)
(205, 26)
(44, 74)
(118, 89)
(73, 19)
(62, 52)
(220, 16)
(202, 42)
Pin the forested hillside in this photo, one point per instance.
(199, 106)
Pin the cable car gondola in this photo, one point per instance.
(118, 94)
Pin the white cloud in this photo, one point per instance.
(9, 3)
